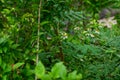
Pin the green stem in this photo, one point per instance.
(38, 33)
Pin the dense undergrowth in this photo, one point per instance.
(72, 44)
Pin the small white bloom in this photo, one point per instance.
(81, 60)
(97, 32)
(91, 35)
(88, 29)
(64, 35)
(49, 38)
(84, 32)
(108, 22)
(77, 28)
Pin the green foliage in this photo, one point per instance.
(66, 28)
(17, 65)
(40, 70)
(96, 53)
(58, 71)
(96, 5)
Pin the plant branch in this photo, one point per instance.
(38, 33)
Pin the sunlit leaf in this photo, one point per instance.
(40, 70)
(46, 77)
(79, 77)
(17, 65)
(4, 77)
(2, 40)
(59, 70)
(2, 1)
(72, 75)
(6, 11)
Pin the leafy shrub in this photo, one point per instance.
(58, 72)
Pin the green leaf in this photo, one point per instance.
(17, 65)
(8, 68)
(46, 77)
(110, 51)
(40, 70)
(5, 49)
(79, 77)
(4, 65)
(2, 1)
(1, 51)
(2, 40)
(118, 55)
(4, 77)
(14, 46)
(44, 22)
(6, 11)
(72, 75)
(59, 70)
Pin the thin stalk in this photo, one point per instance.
(38, 33)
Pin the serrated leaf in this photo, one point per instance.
(59, 71)
(17, 65)
(70, 18)
(40, 70)
(73, 14)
